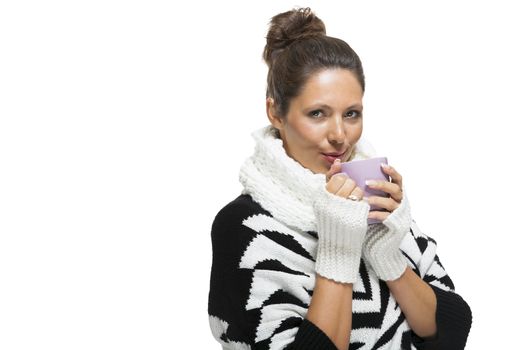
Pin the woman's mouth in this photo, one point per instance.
(332, 158)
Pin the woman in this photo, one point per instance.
(295, 265)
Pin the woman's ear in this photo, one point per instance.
(274, 119)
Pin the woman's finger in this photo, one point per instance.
(335, 182)
(386, 203)
(334, 169)
(379, 215)
(358, 192)
(391, 188)
(348, 187)
(396, 177)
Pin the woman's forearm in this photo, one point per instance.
(417, 301)
(331, 310)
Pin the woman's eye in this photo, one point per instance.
(356, 114)
(315, 113)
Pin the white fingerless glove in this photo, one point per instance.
(341, 227)
(382, 241)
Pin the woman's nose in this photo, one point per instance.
(336, 132)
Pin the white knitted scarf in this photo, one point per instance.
(282, 185)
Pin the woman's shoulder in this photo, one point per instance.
(232, 215)
(240, 207)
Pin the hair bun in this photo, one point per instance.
(287, 27)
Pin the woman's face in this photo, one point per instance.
(325, 118)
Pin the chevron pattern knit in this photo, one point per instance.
(270, 242)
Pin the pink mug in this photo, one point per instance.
(367, 169)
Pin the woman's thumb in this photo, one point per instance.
(333, 168)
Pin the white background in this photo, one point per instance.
(123, 125)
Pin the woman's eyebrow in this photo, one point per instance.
(323, 105)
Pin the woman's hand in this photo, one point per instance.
(341, 227)
(382, 242)
(394, 189)
(340, 184)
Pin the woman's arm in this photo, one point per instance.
(453, 316)
(331, 310)
(432, 309)
(417, 301)
(342, 225)
(253, 304)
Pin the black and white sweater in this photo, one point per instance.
(262, 276)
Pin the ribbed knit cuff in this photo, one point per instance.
(400, 219)
(381, 247)
(311, 337)
(381, 250)
(453, 320)
(342, 225)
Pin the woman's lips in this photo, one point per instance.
(331, 159)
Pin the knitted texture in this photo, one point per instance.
(310, 337)
(263, 278)
(383, 240)
(342, 225)
(265, 251)
(272, 178)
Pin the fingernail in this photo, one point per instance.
(338, 160)
(371, 182)
(385, 165)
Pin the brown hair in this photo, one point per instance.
(296, 48)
